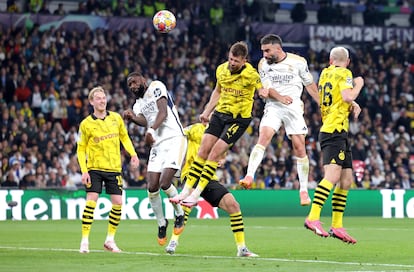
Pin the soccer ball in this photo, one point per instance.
(164, 21)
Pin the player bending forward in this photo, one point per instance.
(215, 194)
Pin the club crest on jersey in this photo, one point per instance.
(157, 92)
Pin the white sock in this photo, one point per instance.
(156, 205)
(109, 238)
(255, 159)
(172, 192)
(302, 165)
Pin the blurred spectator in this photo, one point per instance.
(12, 6)
(60, 10)
(298, 14)
(60, 64)
(372, 16)
(216, 17)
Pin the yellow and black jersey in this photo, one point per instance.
(99, 143)
(334, 110)
(194, 134)
(237, 90)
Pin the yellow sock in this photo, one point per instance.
(322, 192)
(194, 174)
(237, 226)
(187, 212)
(114, 219)
(208, 172)
(87, 218)
(339, 198)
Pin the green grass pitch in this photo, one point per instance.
(207, 245)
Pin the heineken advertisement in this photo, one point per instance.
(64, 204)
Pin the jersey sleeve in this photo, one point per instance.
(81, 148)
(347, 83)
(305, 74)
(158, 90)
(137, 108)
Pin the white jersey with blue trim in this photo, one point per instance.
(147, 106)
(287, 77)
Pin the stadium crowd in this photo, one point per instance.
(45, 77)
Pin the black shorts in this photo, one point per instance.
(336, 149)
(113, 182)
(214, 192)
(227, 128)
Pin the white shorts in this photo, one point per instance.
(170, 153)
(290, 115)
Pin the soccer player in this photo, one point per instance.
(230, 107)
(99, 157)
(283, 76)
(338, 90)
(155, 110)
(214, 193)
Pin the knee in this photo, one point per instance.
(233, 207)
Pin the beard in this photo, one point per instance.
(271, 60)
(138, 92)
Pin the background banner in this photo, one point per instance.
(64, 204)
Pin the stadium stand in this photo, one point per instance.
(59, 65)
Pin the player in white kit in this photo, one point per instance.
(155, 110)
(283, 76)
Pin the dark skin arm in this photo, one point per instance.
(138, 120)
(161, 116)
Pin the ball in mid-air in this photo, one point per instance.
(164, 21)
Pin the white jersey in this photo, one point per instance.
(147, 106)
(287, 77)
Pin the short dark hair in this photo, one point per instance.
(133, 74)
(271, 39)
(239, 49)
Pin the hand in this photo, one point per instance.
(204, 118)
(355, 109)
(128, 114)
(285, 99)
(149, 139)
(86, 180)
(134, 162)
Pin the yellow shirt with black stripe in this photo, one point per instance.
(237, 90)
(334, 110)
(99, 144)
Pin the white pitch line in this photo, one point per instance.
(215, 257)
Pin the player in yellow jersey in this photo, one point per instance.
(99, 157)
(337, 91)
(214, 193)
(230, 107)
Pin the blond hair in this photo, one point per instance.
(94, 90)
(339, 54)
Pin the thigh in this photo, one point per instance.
(272, 117)
(214, 192)
(294, 121)
(96, 182)
(333, 146)
(169, 153)
(113, 182)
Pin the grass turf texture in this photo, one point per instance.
(207, 245)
